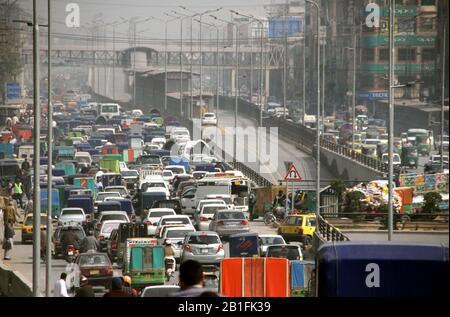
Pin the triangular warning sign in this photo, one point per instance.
(292, 174)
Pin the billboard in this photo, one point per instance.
(12, 92)
(425, 183)
(285, 26)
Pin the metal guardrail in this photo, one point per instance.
(251, 174)
(329, 232)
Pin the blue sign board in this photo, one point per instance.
(285, 26)
(12, 90)
(372, 95)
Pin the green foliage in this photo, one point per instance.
(431, 202)
(353, 204)
(339, 187)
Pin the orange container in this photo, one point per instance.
(254, 277)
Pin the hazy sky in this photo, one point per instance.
(112, 10)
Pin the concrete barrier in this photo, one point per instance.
(13, 284)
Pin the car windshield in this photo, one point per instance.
(102, 196)
(94, 260)
(204, 239)
(211, 210)
(71, 212)
(119, 190)
(78, 232)
(168, 173)
(271, 240)
(150, 160)
(29, 220)
(129, 173)
(113, 217)
(110, 108)
(176, 170)
(290, 253)
(209, 115)
(177, 233)
(108, 227)
(231, 215)
(159, 214)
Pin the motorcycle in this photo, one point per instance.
(170, 266)
(277, 214)
(71, 253)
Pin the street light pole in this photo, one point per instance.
(391, 119)
(48, 242)
(304, 79)
(443, 95)
(37, 157)
(318, 116)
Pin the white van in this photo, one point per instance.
(109, 110)
(26, 151)
(83, 159)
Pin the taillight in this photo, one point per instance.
(98, 225)
(187, 248)
(244, 222)
(101, 238)
(203, 218)
(148, 222)
(220, 223)
(219, 248)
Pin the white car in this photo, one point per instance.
(204, 217)
(153, 182)
(437, 158)
(176, 237)
(182, 220)
(159, 142)
(168, 175)
(209, 118)
(269, 239)
(120, 189)
(153, 217)
(176, 169)
(71, 214)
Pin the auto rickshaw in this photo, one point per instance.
(369, 150)
(410, 156)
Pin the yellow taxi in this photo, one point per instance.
(27, 227)
(298, 227)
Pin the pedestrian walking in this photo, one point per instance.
(8, 240)
(60, 287)
(18, 192)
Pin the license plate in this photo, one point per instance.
(205, 251)
(233, 224)
(94, 272)
(148, 276)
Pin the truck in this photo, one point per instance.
(144, 262)
(110, 163)
(56, 202)
(126, 231)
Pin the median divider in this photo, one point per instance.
(13, 284)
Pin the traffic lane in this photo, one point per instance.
(412, 237)
(22, 261)
(287, 152)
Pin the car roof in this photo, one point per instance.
(112, 212)
(202, 233)
(269, 235)
(160, 209)
(175, 216)
(179, 228)
(113, 221)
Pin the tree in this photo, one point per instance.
(431, 204)
(339, 187)
(354, 204)
(10, 59)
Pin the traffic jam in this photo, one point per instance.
(124, 205)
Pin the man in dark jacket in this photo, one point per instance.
(85, 289)
(69, 238)
(116, 289)
(89, 243)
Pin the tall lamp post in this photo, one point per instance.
(48, 242)
(260, 79)
(236, 92)
(166, 56)
(318, 115)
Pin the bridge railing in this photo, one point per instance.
(251, 174)
(329, 232)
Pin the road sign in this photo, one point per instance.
(292, 174)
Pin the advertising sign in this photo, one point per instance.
(425, 183)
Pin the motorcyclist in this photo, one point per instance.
(279, 204)
(168, 249)
(69, 238)
(89, 243)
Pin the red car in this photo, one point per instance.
(96, 267)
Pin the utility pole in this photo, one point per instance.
(444, 38)
(48, 249)
(37, 157)
(391, 120)
(304, 79)
(285, 59)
